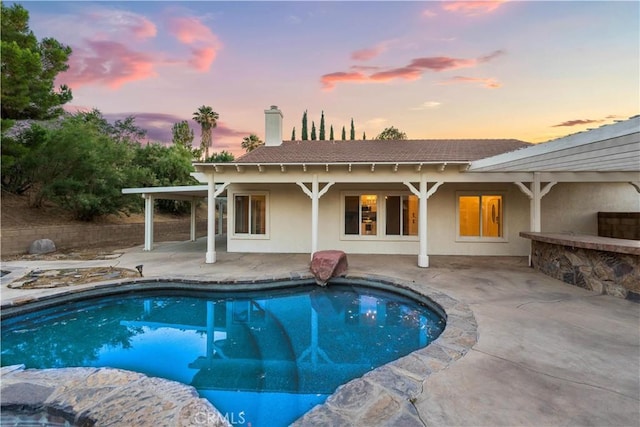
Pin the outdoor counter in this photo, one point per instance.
(602, 264)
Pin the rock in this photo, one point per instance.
(42, 246)
(328, 264)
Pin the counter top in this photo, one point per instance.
(586, 241)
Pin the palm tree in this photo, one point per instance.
(207, 119)
(251, 142)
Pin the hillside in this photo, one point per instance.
(16, 213)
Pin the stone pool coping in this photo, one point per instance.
(384, 395)
(104, 396)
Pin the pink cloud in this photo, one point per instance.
(192, 32)
(329, 80)
(577, 122)
(144, 29)
(486, 82)
(411, 71)
(405, 73)
(202, 59)
(366, 54)
(472, 7)
(371, 52)
(441, 63)
(118, 21)
(109, 63)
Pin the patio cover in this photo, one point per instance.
(190, 193)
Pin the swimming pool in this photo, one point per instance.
(262, 358)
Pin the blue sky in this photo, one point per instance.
(532, 70)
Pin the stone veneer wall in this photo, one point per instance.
(619, 225)
(17, 240)
(616, 274)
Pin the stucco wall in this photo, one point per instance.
(290, 222)
(568, 207)
(574, 207)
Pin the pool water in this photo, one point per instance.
(262, 359)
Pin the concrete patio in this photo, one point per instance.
(548, 354)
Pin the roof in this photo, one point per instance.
(426, 150)
(609, 148)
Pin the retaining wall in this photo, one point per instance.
(17, 240)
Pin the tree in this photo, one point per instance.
(322, 138)
(391, 133)
(293, 134)
(162, 165)
(251, 142)
(207, 119)
(313, 131)
(304, 135)
(182, 135)
(81, 168)
(29, 69)
(352, 133)
(364, 136)
(331, 133)
(344, 134)
(222, 157)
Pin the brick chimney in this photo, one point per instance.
(273, 127)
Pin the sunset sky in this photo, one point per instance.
(531, 70)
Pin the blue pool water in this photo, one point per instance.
(262, 359)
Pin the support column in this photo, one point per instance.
(423, 258)
(535, 195)
(148, 221)
(314, 214)
(423, 195)
(193, 220)
(315, 194)
(211, 221)
(220, 217)
(536, 223)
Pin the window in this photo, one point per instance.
(250, 213)
(380, 215)
(402, 215)
(361, 215)
(480, 215)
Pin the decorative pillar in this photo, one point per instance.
(149, 204)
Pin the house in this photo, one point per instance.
(420, 197)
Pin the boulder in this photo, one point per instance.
(42, 246)
(328, 264)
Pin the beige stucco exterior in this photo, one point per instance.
(289, 213)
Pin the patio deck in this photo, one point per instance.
(547, 353)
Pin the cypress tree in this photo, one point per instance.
(293, 134)
(313, 131)
(322, 127)
(364, 136)
(331, 133)
(344, 134)
(352, 133)
(305, 136)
